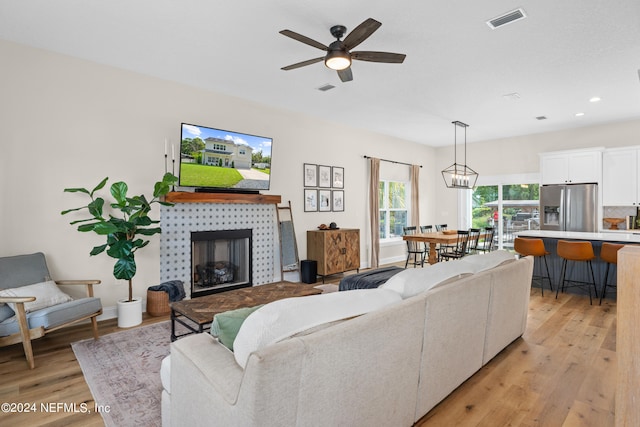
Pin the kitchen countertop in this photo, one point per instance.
(606, 236)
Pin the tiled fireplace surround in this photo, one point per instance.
(180, 220)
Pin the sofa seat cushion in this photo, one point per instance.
(53, 316)
(282, 319)
(47, 294)
(482, 262)
(414, 281)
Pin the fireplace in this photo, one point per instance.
(220, 261)
(186, 217)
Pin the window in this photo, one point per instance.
(394, 208)
(509, 207)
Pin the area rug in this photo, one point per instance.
(123, 372)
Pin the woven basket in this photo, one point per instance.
(158, 303)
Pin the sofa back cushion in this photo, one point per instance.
(482, 262)
(414, 281)
(284, 318)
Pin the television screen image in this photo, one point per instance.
(223, 160)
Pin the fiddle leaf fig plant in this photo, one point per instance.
(124, 223)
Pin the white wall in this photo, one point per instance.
(66, 122)
(520, 155)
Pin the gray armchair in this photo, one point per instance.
(23, 325)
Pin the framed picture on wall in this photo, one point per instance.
(324, 176)
(337, 177)
(338, 200)
(310, 200)
(324, 200)
(310, 173)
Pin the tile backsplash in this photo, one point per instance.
(617, 212)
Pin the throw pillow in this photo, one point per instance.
(47, 294)
(226, 325)
(284, 318)
(414, 281)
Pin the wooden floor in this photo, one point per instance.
(560, 373)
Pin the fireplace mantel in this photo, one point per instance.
(190, 197)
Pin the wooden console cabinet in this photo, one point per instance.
(335, 251)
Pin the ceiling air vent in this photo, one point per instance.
(326, 87)
(507, 18)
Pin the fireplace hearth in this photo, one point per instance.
(220, 261)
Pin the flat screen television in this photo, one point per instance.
(220, 160)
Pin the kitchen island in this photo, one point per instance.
(579, 271)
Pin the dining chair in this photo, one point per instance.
(426, 229)
(487, 242)
(414, 249)
(459, 250)
(474, 237)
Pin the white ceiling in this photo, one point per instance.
(457, 68)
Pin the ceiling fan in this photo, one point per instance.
(339, 55)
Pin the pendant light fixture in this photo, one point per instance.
(459, 175)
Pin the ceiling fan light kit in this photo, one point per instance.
(337, 59)
(459, 175)
(339, 55)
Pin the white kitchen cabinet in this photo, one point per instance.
(571, 167)
(620, 186)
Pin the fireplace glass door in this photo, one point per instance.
(221, 261)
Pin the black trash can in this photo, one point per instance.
(308, 271)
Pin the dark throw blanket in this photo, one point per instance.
(174, 288)
(369, 279)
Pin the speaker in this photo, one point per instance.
(308, 271)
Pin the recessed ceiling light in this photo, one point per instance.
(595, 99)
(579, 114)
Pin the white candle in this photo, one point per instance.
(173, 157)
(165, 147)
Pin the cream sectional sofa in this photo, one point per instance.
(387, 367)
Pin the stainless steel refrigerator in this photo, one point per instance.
(570, 207)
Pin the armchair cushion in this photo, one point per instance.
(20, 270)
(53, 316)
(5, 312)
(46, 293)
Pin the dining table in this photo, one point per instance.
(433, 239)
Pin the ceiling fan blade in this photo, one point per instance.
(388, 57)
(302, 64)
(345, 75)
(303, 39)
(361, 33)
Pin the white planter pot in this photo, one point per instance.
(129, 312)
